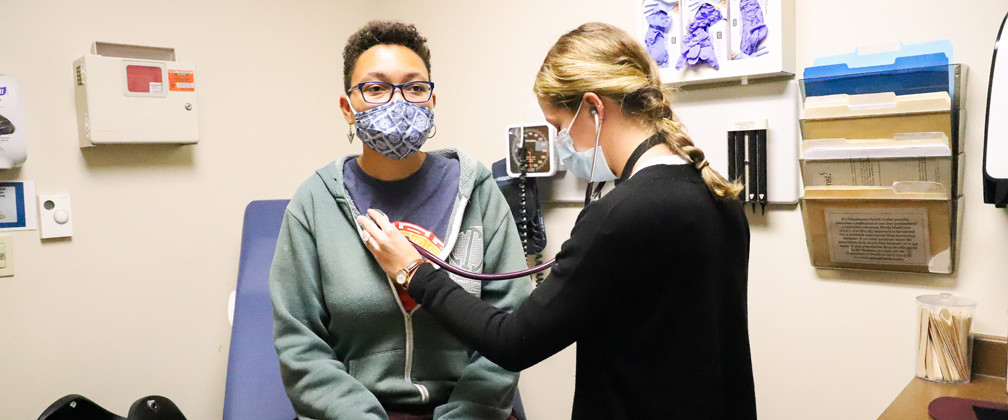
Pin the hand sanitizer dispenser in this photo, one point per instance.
(995, 163)
(13, 148)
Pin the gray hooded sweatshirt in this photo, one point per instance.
(346, 344)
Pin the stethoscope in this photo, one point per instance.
(591, 194)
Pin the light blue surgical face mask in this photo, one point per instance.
(589, 164)
(395, 129)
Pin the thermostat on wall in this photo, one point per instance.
(54, 216)
(128, 94)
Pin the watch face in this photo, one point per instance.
(400, 278)
(529, 145)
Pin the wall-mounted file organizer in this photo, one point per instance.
(881, 162)
(882, 166)
(909, 226)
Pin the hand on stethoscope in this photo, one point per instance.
(388, 245)
(393, 251)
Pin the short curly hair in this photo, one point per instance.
(381, 32)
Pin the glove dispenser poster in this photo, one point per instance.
(704, 41)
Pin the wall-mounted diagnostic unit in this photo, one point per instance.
(13, 147)
(530, 147)
(747, 160)
(131, 94)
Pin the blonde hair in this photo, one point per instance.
(604, 59)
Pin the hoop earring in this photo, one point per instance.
(430, 136)
(350, 134)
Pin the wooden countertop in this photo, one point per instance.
(912, 403)
(987, 383)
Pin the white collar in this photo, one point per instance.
(659, 160)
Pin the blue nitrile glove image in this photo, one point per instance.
(654, 40)
(754, 30)
(697, 40)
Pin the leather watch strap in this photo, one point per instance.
(406, 274)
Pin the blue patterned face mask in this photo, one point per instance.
(395, 129)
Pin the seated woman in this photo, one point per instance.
(352, 345)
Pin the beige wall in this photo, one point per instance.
(135, 302)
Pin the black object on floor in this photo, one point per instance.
(77, 407)
(154, 407)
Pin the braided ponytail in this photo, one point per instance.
(601, 58)
(675, 136)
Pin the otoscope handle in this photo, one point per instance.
(481, 276)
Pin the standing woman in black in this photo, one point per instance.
(651, 283)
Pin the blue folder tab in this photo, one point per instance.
(856, 59)
(901, 81)
(898, 63)
(915, 68)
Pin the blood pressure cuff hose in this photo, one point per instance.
(533, 219)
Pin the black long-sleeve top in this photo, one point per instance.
(652, 287)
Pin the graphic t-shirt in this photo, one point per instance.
(419, 205)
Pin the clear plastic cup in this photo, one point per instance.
(944, 342)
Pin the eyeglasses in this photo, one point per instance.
(382, 92)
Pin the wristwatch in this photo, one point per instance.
(402, 277)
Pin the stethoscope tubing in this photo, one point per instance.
(481, 276)
(589, 195)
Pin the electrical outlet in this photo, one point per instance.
(6, 260)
